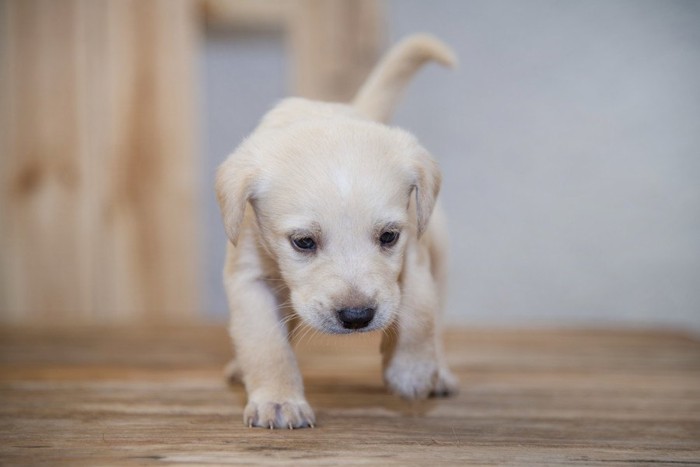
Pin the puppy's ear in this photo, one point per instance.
(426, 180)
(235, 181)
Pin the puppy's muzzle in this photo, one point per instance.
(356, 318)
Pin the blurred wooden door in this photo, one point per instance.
(99, 161)
(98, 168)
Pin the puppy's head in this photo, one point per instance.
(336, 205)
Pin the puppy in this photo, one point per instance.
(332, 222)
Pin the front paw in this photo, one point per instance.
(278, 413)
(411, 378)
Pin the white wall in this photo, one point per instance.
(570, 142)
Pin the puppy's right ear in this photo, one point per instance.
(426, 179)
(235, 179)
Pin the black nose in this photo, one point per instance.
(356, 318)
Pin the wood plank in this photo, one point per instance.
(247, 16)
(131, 396)
(98, 188)
(42, 190)
(145, 240)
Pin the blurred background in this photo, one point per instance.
(569, 138)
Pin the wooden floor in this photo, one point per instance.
(138, 397)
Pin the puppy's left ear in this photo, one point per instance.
(235, 181)
(426, 180)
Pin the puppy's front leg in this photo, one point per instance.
(413, 361)
(265, 358)
(409, 356)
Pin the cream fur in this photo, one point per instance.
(331, 173)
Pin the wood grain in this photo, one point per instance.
(42, 190)
(246, 16)
(97, 195)
(135, 396)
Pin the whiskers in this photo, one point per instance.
(296, 329)
(390, 331)
(303, 331)
(276, 285)
(288, 318)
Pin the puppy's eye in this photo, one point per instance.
(305, 244)
(389, 238)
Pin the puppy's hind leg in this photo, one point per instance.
(232, 372)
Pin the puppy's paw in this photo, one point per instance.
(280, 413)
(446, 384)
(410, 377)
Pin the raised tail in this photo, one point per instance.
(378, 97)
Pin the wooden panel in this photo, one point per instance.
(147, 184)
(246, 16)
(104, 397)
(44, 270)
(98, 190)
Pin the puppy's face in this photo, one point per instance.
(337, 227)
(333, 207)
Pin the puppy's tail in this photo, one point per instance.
(378, 97)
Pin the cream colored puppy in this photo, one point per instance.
(333, 223)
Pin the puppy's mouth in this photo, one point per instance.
(352, 320)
